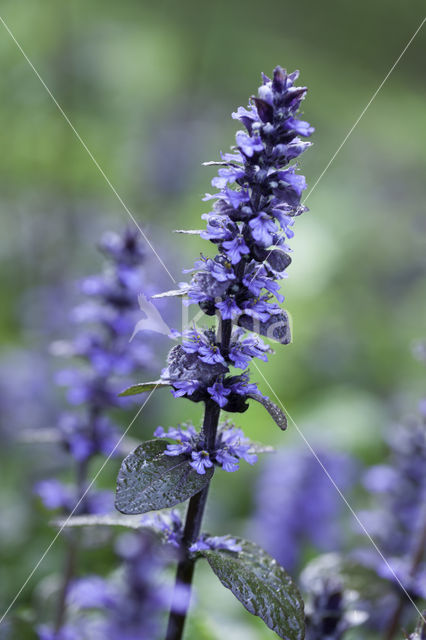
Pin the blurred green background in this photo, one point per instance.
(150, 88)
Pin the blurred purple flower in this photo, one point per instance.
(296, 504)
(56, 495)
(134, 614)
(397, 519)
(101, 360)
(68, 632)
(92, 592)
(401, 485)
(125, 606)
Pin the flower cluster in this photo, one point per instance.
(170, 525)
(100, 357)
(298, 505)
(231, 445)
(201, 358)
(197, 368)
(106, 321)
(257, 200)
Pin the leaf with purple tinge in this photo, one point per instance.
(189, 232)
(142, 387)
(262, 586)
(148, 480)
(275, 412)
(153, 523)
(104, 520)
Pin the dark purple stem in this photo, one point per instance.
(68, 575)
(194, 516)
(419, 550)
(73, 544)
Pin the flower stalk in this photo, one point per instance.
(239, 283)
(259, 196)
(194, 516)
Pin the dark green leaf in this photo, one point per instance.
(152, 523)
(147, 522)
(149, 480)
(262, 586)
(142, 387)
(275, 412)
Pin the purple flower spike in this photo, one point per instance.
(249, 223)
(257, 201)
(100, 362)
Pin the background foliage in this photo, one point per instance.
(150, 88)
